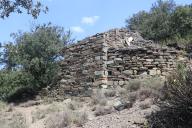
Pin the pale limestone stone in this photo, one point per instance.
(152, 72)
(104, 86)
(110, 83)
(97, 58)
(128, 72)
(99, 73)
(110, 62)
(158, 72)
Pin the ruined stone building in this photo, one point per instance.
(111, 58)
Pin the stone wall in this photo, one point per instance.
(81, 62)
(108, 59)
(139, 62)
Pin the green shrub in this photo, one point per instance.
(165, 22)
(31, 62)
(13, 82)
(134, 85)
(176, 107)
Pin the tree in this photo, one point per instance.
(182, 21)
(154, 24)
(36, 55)
(9, 6)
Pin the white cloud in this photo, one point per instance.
(91, 20)
(77, 29)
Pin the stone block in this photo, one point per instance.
(85, 72)
(158, 72)
(121, 83)
(142, 73)
(135, 72)
(104, 57)
(128, 72)
(104, 86)
(97, 58)
(118, 60)
(116, 83)
(100, 82)
(110, 83)
(110, 62)
(99, 73)
(149, 60)
(152, 72)
(63, 81)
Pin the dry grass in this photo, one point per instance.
(134, 85)
(42, 113)
(103, 110)
(99, 97)
(59, 120)
(145, 93)
(3, 105)
(66, 118)
(132, 96)
(79, 118)
(74, 105)
(109, 92)
(39, 114)
(122, 92)
(13, 120)
(145, 105)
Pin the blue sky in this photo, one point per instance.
(83, 17)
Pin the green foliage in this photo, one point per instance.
(9, 6)
(165, 22)
(176, 107)
(32, 60)
(155, 23)
(12, 81)
(181, 21)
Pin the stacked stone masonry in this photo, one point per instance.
(111, 59)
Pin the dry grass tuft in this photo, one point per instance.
(2, 106)
(109, 92)
(66, 118)
(103, 110)
(59, 120)
(134, 85)
(98, 97)
(12, 120)
(74, 105)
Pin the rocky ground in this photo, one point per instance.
(107, 108)
(127, 118)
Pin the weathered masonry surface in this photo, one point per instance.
(111, 59)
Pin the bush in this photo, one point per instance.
(79, 118)
(155, 24)
(98, 97)
(132, 96)
(59, 120)
(166, 22)
(109, 92)
(176, 109)
(31, 62)
(134, 85)
(13, 82)
(66, 118)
